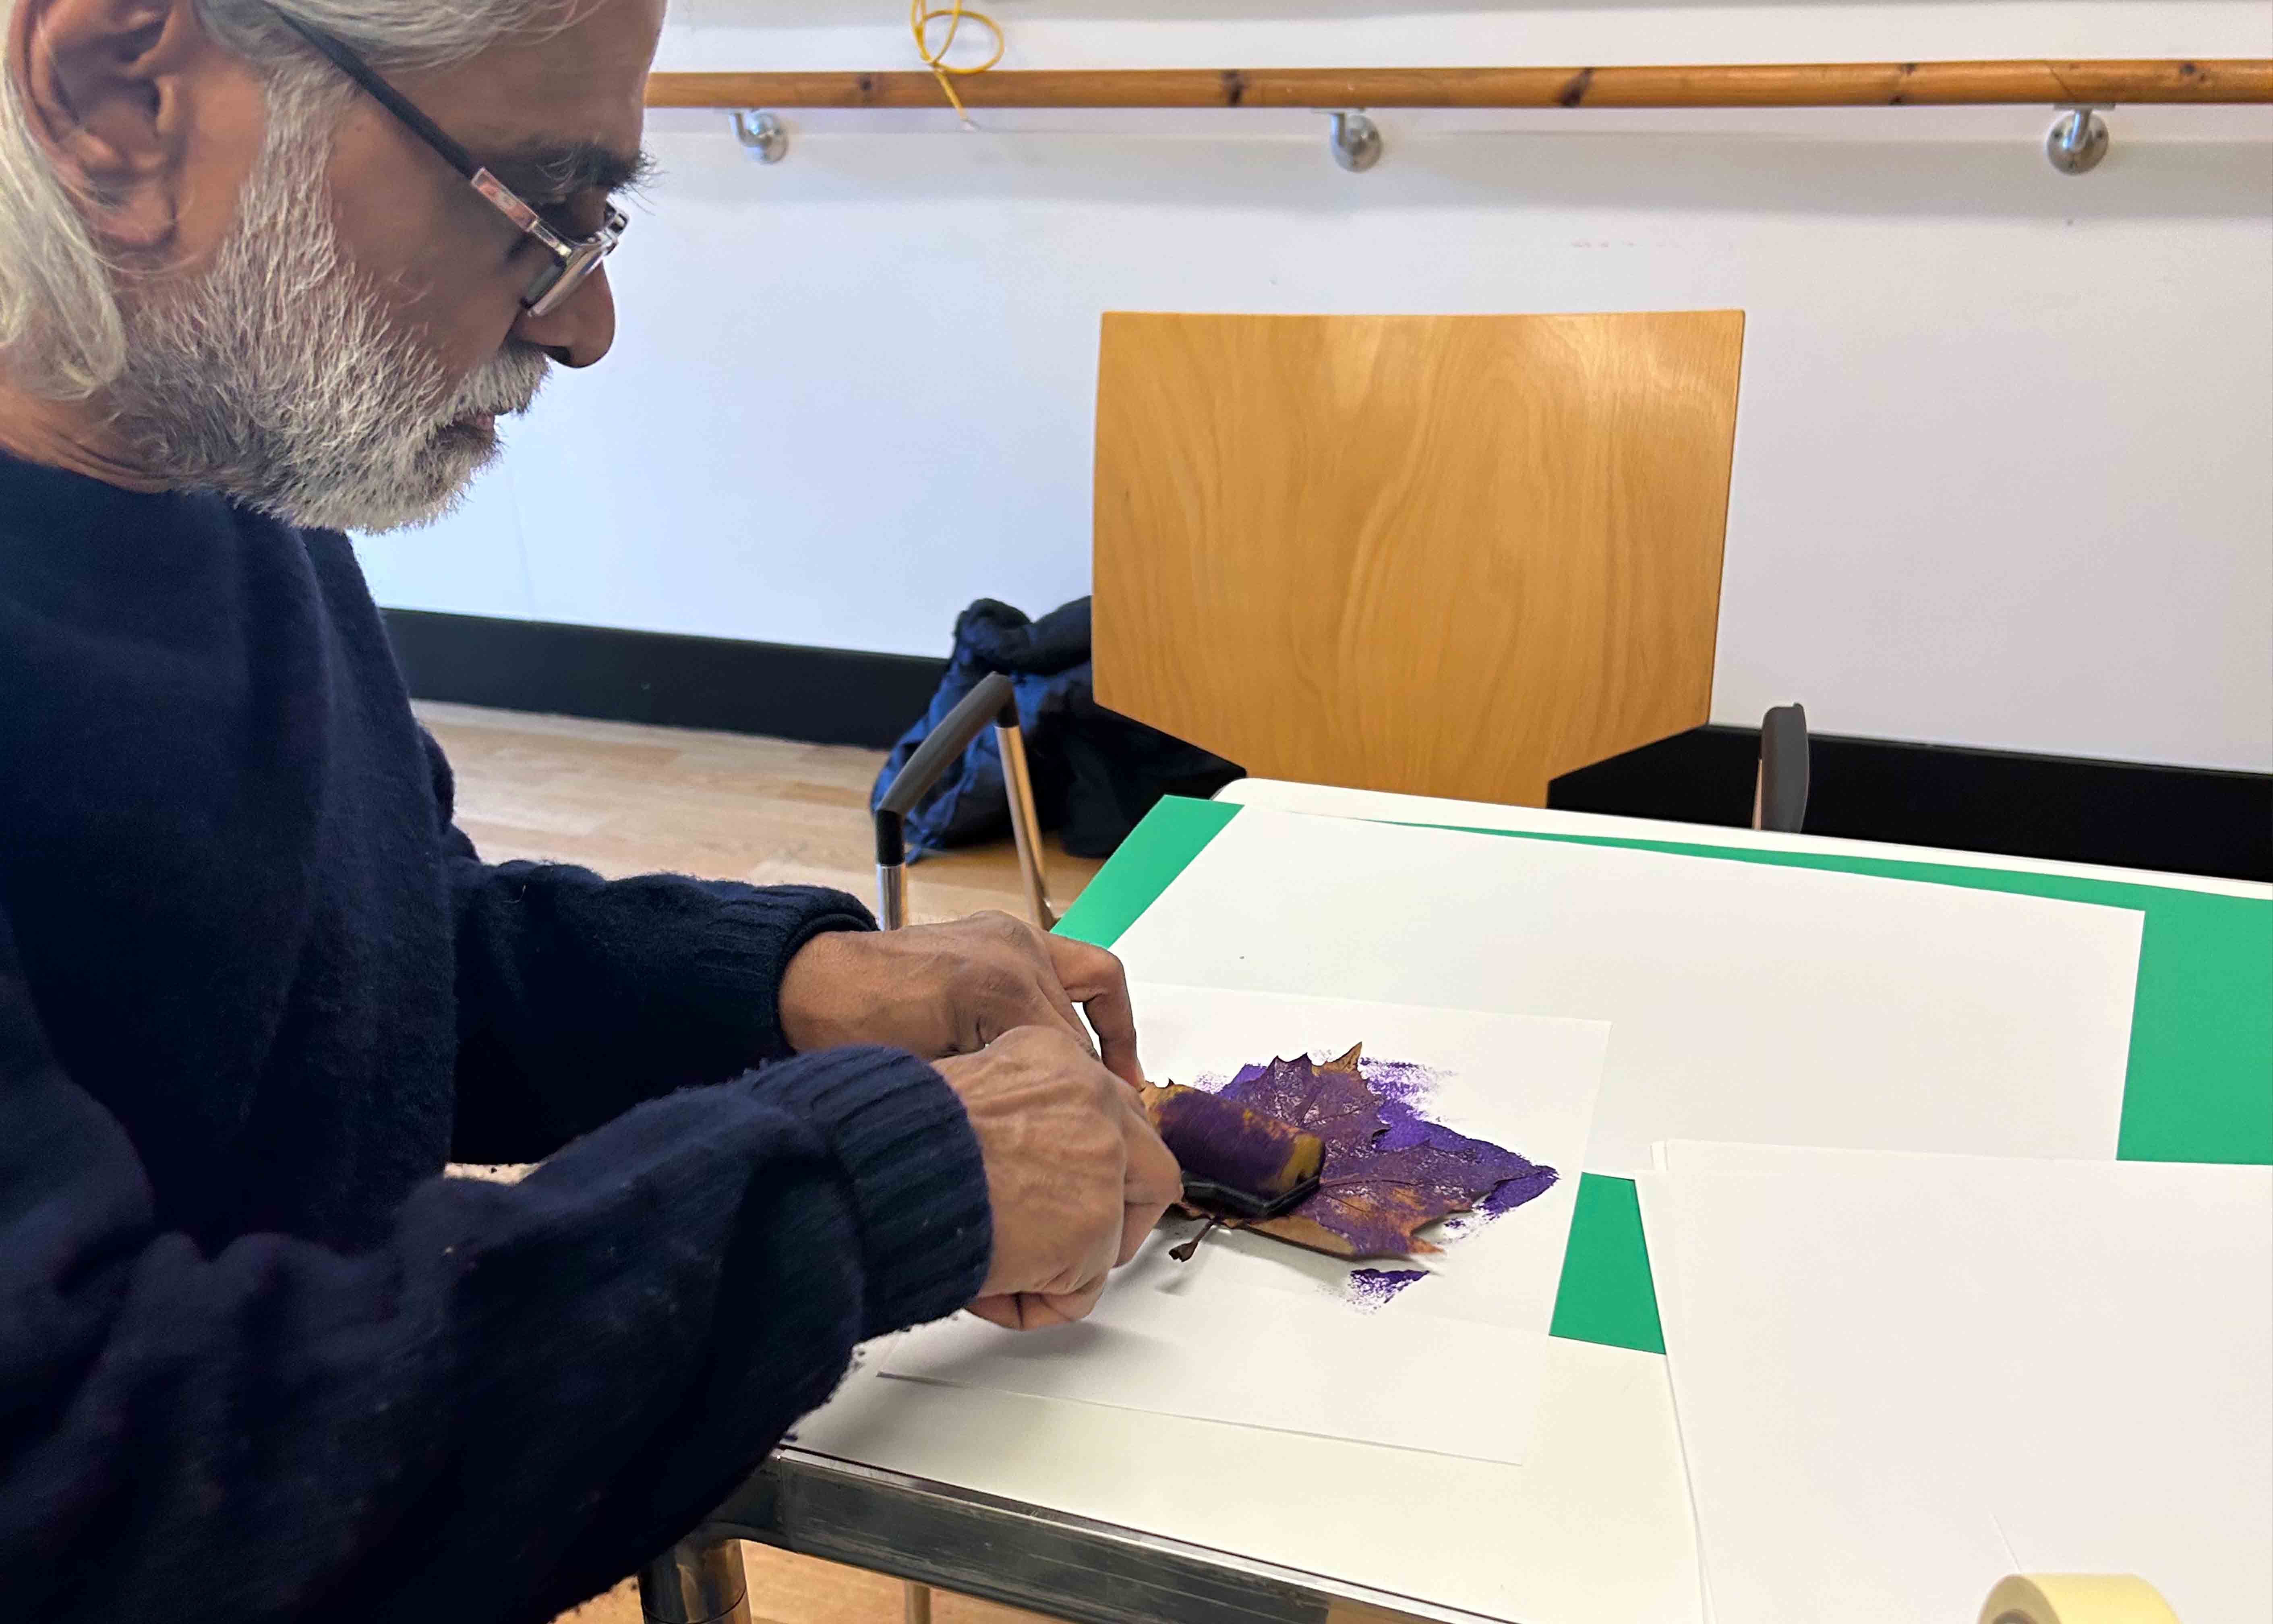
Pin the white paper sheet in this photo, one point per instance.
(1257, 1333)
(1293, 1365)
(1748, 1001)
(1593, 1528)
(1662, 1240)
(1900, 1377)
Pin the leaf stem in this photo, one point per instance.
(1183, 1253)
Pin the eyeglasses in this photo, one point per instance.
(572, 258)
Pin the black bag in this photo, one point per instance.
(1096, 773)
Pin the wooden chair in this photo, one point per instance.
(1444, 555)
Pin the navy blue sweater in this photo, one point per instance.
(257, 1359)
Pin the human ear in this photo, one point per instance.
(106, 87)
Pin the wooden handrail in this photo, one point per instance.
(1819, 84)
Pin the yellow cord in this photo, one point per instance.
(922, 14)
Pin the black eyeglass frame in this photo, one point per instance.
(572, 258)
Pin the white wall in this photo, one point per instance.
(2005, 455)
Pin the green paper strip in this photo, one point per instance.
(1607, 1295)
(2199, 1087)
(1157, 851)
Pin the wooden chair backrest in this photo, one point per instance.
(1445, 555)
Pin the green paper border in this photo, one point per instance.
(1157, 851)
(2198, 1086)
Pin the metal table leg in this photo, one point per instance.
(1027, 1556)
(698, 1581)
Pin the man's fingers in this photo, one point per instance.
(1094, 978)
(1062, 1007)
(1040, 997)
(1033, 1311)
(1151, 1173)
(1137, 1225)
(1048, 1308)
(1151, 1181)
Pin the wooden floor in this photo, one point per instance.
(796, 1589)
(630, 800)
(625, 798)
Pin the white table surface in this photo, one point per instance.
(1594, 1528)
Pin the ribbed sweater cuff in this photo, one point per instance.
(745, 951)
(913, 1165)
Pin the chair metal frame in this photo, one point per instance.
(991, 701)
(1780, 791)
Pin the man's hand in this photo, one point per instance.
(1075, 1174)
(952, 990)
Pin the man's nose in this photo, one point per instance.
(581, 331)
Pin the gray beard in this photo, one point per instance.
(275, 379)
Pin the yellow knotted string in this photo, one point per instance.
(922, 15)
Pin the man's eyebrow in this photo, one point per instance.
(550, 172)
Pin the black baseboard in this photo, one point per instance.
(820, 696)
(2178, 820)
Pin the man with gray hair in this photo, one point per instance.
(267, 272)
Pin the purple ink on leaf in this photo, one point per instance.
(1389, 1170)
(1216, 1138)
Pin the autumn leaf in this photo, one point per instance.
(1388, 1170)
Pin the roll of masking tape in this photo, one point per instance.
(2076, 1598)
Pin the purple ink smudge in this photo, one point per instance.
(1528, 1185)
(1373, 1288)
(1405, 1080)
